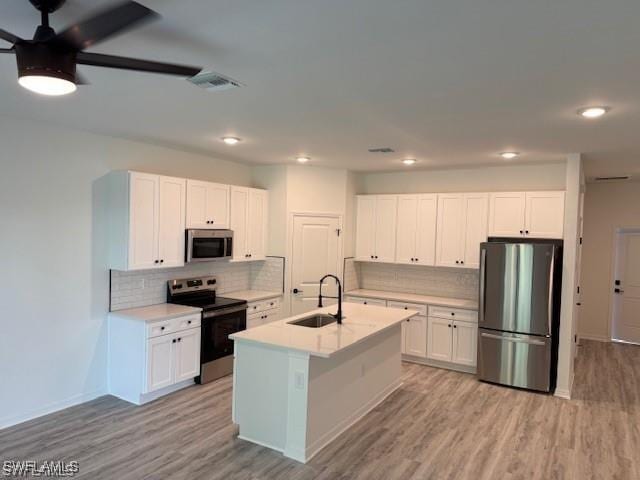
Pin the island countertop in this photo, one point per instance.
(359, 323)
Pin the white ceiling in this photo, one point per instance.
(450, 82)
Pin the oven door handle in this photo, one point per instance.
(224, 311)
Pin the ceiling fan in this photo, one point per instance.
(47, 64)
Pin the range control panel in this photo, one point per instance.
(192, 284)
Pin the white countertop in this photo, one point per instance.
(162, 311)
(359, 323)
(252, 295)
(415, 298)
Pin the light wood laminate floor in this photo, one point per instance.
(439, 425)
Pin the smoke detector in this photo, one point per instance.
(214, 82)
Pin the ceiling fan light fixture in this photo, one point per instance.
(47, 85)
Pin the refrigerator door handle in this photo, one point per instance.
(483, 269)
(513, 339)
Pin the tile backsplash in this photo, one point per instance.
(436, 281)
(149, 287)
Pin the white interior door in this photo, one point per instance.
(316, 247)
(626, 320)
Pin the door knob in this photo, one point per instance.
(618, 290)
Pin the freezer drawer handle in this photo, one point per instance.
(513, 339)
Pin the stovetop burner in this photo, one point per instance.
(199, 292)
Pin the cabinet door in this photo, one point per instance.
(143, 220)
(449, 242)
(426, 230)
(386, 217)
(439, 339)
(171, 223)
(257, 224)
(475, 227)
(239, 217)
(197, 202)
(365, 227)
(415, 336)
(506, 214)
(465, 341)
(187, 354)
(218, 205)
(406, 234)
(544, 214)
(160, 362)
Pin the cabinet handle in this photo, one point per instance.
(161, 328)
(521, 232)
(371, 256)
(449, 325)
(156, 261)
(179, 339)
(462, 262)
(417, 259)
(526, 232)
(161, 261)
(173, 341)
(453, 314)
(457, 261)
(189, 322)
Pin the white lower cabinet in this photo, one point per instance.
(263, 312)
(450, 339)
(150, 359)
(414, 336)
(366, 301)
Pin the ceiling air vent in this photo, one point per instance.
(612, 179)
(381, 150)
(214, 82)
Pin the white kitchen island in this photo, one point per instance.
(296, 388)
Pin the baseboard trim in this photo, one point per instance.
(53, 407)
(595, 338)
(562, 393)
(332, 434)
(437, 364)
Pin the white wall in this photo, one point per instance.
(568, 309)
(607, 207)
(501, 178)
(53, 292)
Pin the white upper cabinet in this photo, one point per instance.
(171, 222)
(462, 226)
(544, 215)
(416, 229)
(249, 207)
(146, 221)
(207, 205)
(526, 214)
(475, 227)
(376, 228)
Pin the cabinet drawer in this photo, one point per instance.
(183, 323)
(271, 304)
(161, 327)
(366, 301)
(422, 309)
(454, 314)
(254, 321)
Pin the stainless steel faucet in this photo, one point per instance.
(338, 315)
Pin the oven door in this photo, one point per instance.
(207, 245)
(216, 327)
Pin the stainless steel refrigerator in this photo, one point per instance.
(519, 312)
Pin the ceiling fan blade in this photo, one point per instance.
(109, 22)
(9, 37)
(125, 63)
(80, 79)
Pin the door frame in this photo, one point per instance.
(617, 231)
(290, 234)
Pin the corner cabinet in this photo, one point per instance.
(207, 205)
(248, 220)
(146, 221)
(527, 214)
(376, 228)
(461, 227)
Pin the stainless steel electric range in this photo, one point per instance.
(220, 318)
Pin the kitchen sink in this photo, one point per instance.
(315, 321)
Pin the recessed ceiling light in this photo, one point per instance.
(47, 85)
(509, 155)
(230, 140)
(302, 159)
(409, 161)
(593, 112)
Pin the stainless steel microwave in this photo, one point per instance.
(208, 245)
